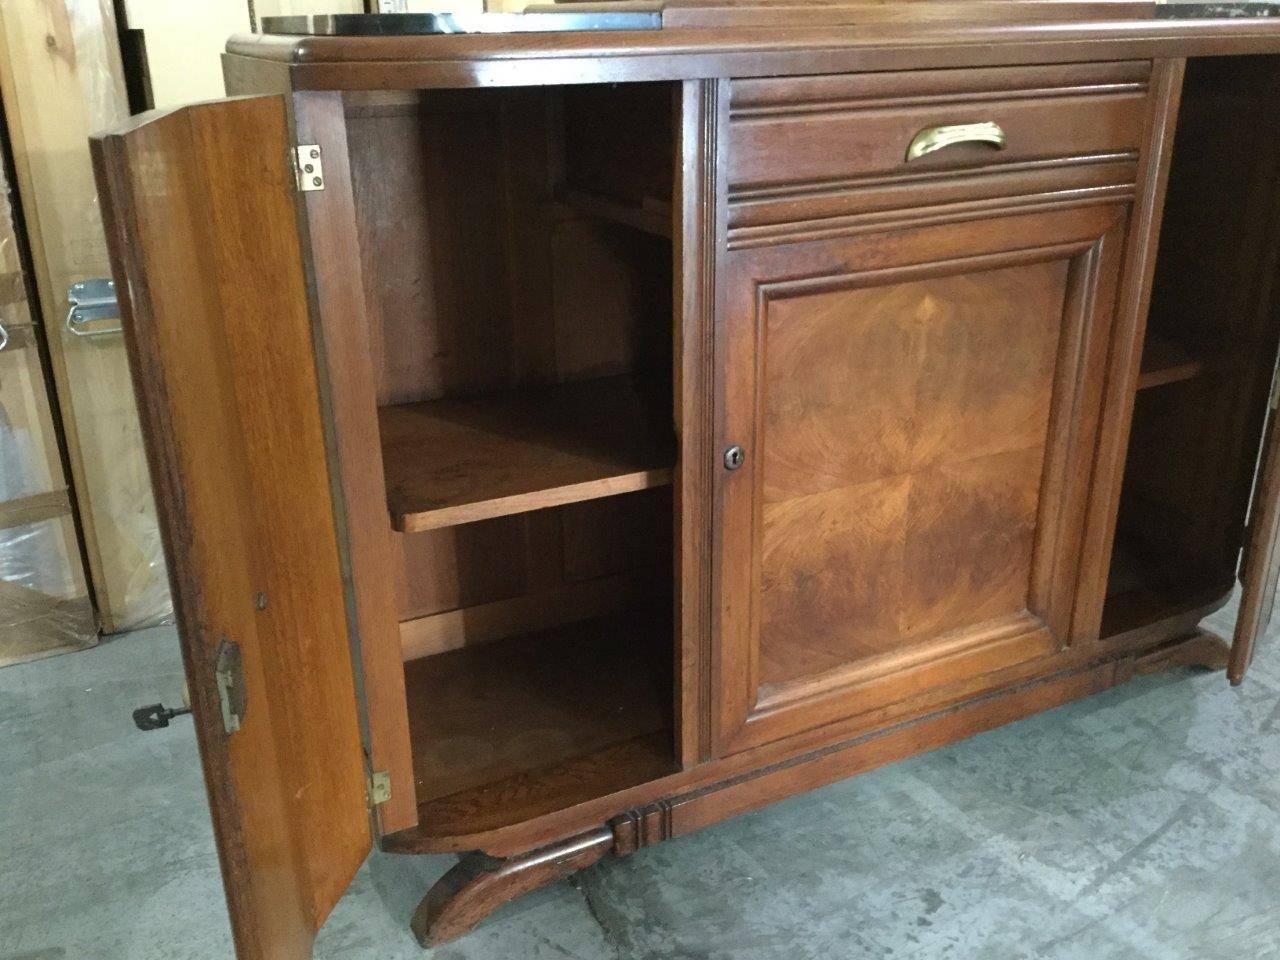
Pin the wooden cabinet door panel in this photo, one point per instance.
(203, 229)
(918, 411)
(1260, 561)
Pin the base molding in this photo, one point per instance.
(480, 883)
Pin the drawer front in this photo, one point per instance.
(830, 129)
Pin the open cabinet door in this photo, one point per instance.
(199, 205)
(1260, 563)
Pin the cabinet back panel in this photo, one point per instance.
(478, 278)
(429, 192)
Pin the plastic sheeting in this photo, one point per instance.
(67, 84)
(44, 606)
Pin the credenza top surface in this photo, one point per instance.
(699, 40)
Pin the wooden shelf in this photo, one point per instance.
(1163, 361)
(504, 730)
(457, 461)
(649, 216)
(1141, 594)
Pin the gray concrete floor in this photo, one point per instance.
(1144, 823)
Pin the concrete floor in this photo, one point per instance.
(1144, 823)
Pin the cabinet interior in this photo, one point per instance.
(517, 261)
(1208, 356)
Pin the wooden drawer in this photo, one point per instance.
(828, 129)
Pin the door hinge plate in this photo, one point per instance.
(308, 167)
(229, 673)
(379, 787)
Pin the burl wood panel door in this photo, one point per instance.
(918, 411)
(202, 224)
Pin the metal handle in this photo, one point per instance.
(932, 139)
(92, 300)
(4, 337)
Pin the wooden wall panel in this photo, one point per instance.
(61, 79)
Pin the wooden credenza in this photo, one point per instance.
(567, 441)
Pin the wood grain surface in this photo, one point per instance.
(205, 246)
(457, 461)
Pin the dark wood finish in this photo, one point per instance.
(327, 222)
(1123, 366)
(700, 196)
(873, 205)
(978, 481)
(458, 461)
(915, 407)
(544, 795)
(1193, 446)
(743, 13)
(501, 836)
(1260, 565)
(483, 715)
(1163, 361)
(1202, 649)
(477, 280)
(479, 884)
(912, 43)
(199, 204)
(845, 126)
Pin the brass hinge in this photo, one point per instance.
(308, 167)
(379, 787)
(228, 671)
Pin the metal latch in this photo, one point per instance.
(308, 167)
(379, 787)
(91, 302)
(229, 673)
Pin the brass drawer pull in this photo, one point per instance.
(931, 139)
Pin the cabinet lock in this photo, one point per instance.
(734, 457)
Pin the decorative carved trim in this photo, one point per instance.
(744, 238)
(783, 96)
(705, 104)
(790, 191)
(478, 884)
(1202, 649)
(642, 827)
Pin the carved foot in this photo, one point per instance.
(1202, 649)
(478, 884)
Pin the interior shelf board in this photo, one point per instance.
(502, 728)
(649, 216)
(1164, 361)
(526, 796)
(449, 462)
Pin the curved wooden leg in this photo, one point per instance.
(1203, 649)
(478, 884)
